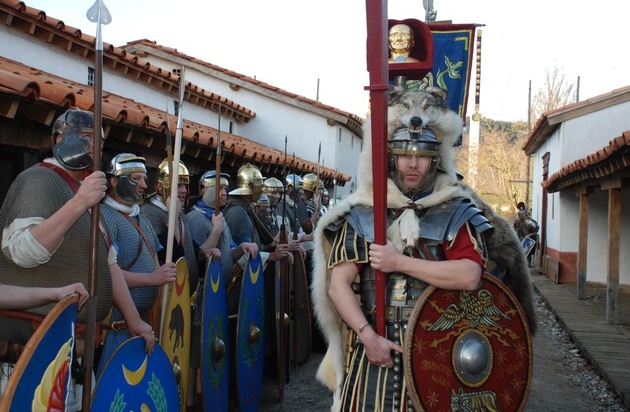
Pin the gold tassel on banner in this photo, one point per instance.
(477, 116)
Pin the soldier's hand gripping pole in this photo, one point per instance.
(376, 16)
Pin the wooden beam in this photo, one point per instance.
(612, 183)
(614, 235)
(582, 246)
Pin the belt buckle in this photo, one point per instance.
(118, 325)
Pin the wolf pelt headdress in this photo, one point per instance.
(405, 230)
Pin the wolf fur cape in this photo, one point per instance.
(404, 231)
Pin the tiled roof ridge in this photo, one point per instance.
(17, 79)
(547, 123)
(116, 55)
(602, 163)
(173, 51)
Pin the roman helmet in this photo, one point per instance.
(249, 181)
(75, 127)
(424, 143)
(272, 185)
(294, 180)
(164, 177)
(122, 166)
(209, 179)
(309, 182)
(263, 201)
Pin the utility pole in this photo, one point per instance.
(529, 131)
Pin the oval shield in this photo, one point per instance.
(136, 381)
(175, 336)
(468, 348)
(41, 376)
(250, 335)
(215, 359)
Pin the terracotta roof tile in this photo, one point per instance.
(55, 32)
(17, 79)
(353, 122)
(603, 163)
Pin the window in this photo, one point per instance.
(90, 80)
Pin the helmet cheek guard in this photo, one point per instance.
(121, 167)
(127, 190)
(424, 143)
(70, 139)
(164, 177)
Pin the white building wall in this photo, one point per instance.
(589, 133)
(274, 119)
(597, 253)
(573, 140)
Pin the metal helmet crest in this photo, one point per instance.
(71, 136)
(122, 166)
(405, 142)
(249, 181)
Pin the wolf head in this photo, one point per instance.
(427, 108)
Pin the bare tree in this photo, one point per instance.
(556, 92)
(501, 166)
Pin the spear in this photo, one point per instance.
(98, 14)
(169, 143)
(217, 175)
(317, 188)
(172, 210)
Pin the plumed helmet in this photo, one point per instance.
(272, 185)
(249, 181)
(122, 166)
(309, 182)
(75, 127)
(294, 180)
(263, 201)
(423, 143)
(209, 179)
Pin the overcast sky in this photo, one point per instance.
(293, 43)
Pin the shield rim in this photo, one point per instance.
(219, 302)
(260, 286)
(413, 320)
(183, 299)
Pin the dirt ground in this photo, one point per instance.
(302, 393)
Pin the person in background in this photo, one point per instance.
(212, 234)
(526, 227)
(136, 244)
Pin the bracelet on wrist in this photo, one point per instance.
(365, 325)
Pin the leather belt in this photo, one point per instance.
(115, 325)
(393, 314)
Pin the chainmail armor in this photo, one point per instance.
(40, 192)
(159, 221)
(125, 236)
